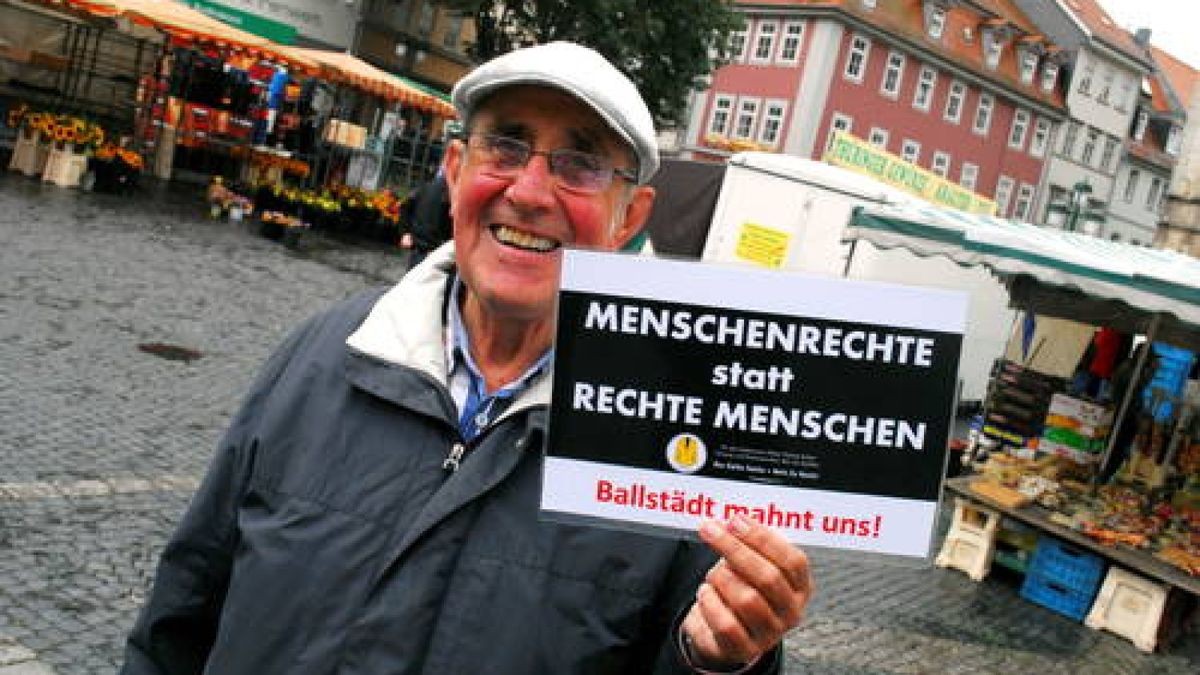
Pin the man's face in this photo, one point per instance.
(509, 231)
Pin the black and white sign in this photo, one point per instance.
(685, 391)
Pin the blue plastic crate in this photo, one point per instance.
(1057, 597)
(1074, 569)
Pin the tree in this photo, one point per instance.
(667, 47)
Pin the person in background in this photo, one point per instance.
(427, 217)
(373, 507)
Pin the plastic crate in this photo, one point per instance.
(1069, 567)
(1057, 597)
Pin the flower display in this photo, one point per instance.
(58, 128)
(268, 160)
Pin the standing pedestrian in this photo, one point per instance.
(373, 507)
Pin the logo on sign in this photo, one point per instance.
(686, 453)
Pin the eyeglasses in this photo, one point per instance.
(575, 170)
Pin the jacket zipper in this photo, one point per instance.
(454, 458)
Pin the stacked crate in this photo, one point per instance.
(1017, 401)
(1062, 578)
(1075, 429)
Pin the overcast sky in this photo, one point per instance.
(1174, 24)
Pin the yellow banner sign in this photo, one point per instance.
(858, 155)
(762, 245)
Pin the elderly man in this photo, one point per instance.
(374, 506)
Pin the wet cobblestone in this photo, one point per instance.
(101, 444)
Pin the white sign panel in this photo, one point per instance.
(684, 391)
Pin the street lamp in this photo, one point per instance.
(1076, 210)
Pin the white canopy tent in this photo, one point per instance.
(1052, 272)
(1055, 273)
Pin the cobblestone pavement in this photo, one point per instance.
(101, 444)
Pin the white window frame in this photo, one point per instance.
(1085, 79)
(1106, 83)
(1154, 194)
(1028, 65)
(838, 122)
(968, 176)
(1107, 155)
(923, 98)
(993, 49)
(722, 103)
(1174, 139)
(1125, 98)
(956, 99)
(937, 23)
(1139, 127)
(983, 114)
(1003, 195)
(1024, 203)
(940, 164)
(1041, 138)
(860, 47)
(879, 137)
(764, 40)
(793, 41)
(741, 112)
(1090, 141)
(1049, 75)
(1069, 137)
(869, 4)
(910, 150)
(1019, 129)
(893, 75)
(738, 40)
(1131, 185)
(771, 129)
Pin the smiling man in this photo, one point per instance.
(373, 507)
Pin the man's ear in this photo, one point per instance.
(452, 162)
(637, 212)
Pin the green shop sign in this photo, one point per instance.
(275, 31)
(858, 155)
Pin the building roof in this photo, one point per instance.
(962, 41)
(1181, 77)
(1103, 28)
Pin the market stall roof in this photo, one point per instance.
(348, 68)
(183, 22)
(1052, 272)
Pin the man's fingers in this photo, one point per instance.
(732, 641)
(760, 619)
(763, 559)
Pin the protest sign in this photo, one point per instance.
(685, 391)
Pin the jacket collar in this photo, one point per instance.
(406, 327)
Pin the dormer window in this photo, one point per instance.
(1173, 140)
(1029, 61)
(935, 24)
(1049, 76)
(993, 47)
(1139, 129)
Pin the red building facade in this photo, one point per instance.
(971, 96)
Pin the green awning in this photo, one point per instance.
(1073, 275)
(275, 31)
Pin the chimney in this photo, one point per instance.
(1142, 37)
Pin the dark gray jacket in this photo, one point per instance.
(327, 537)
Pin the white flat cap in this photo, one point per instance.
(582, 73)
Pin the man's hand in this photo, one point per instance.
(755, 593)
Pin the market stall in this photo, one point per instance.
(1102, 532)
(67, 88)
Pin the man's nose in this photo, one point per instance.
(534, 183)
